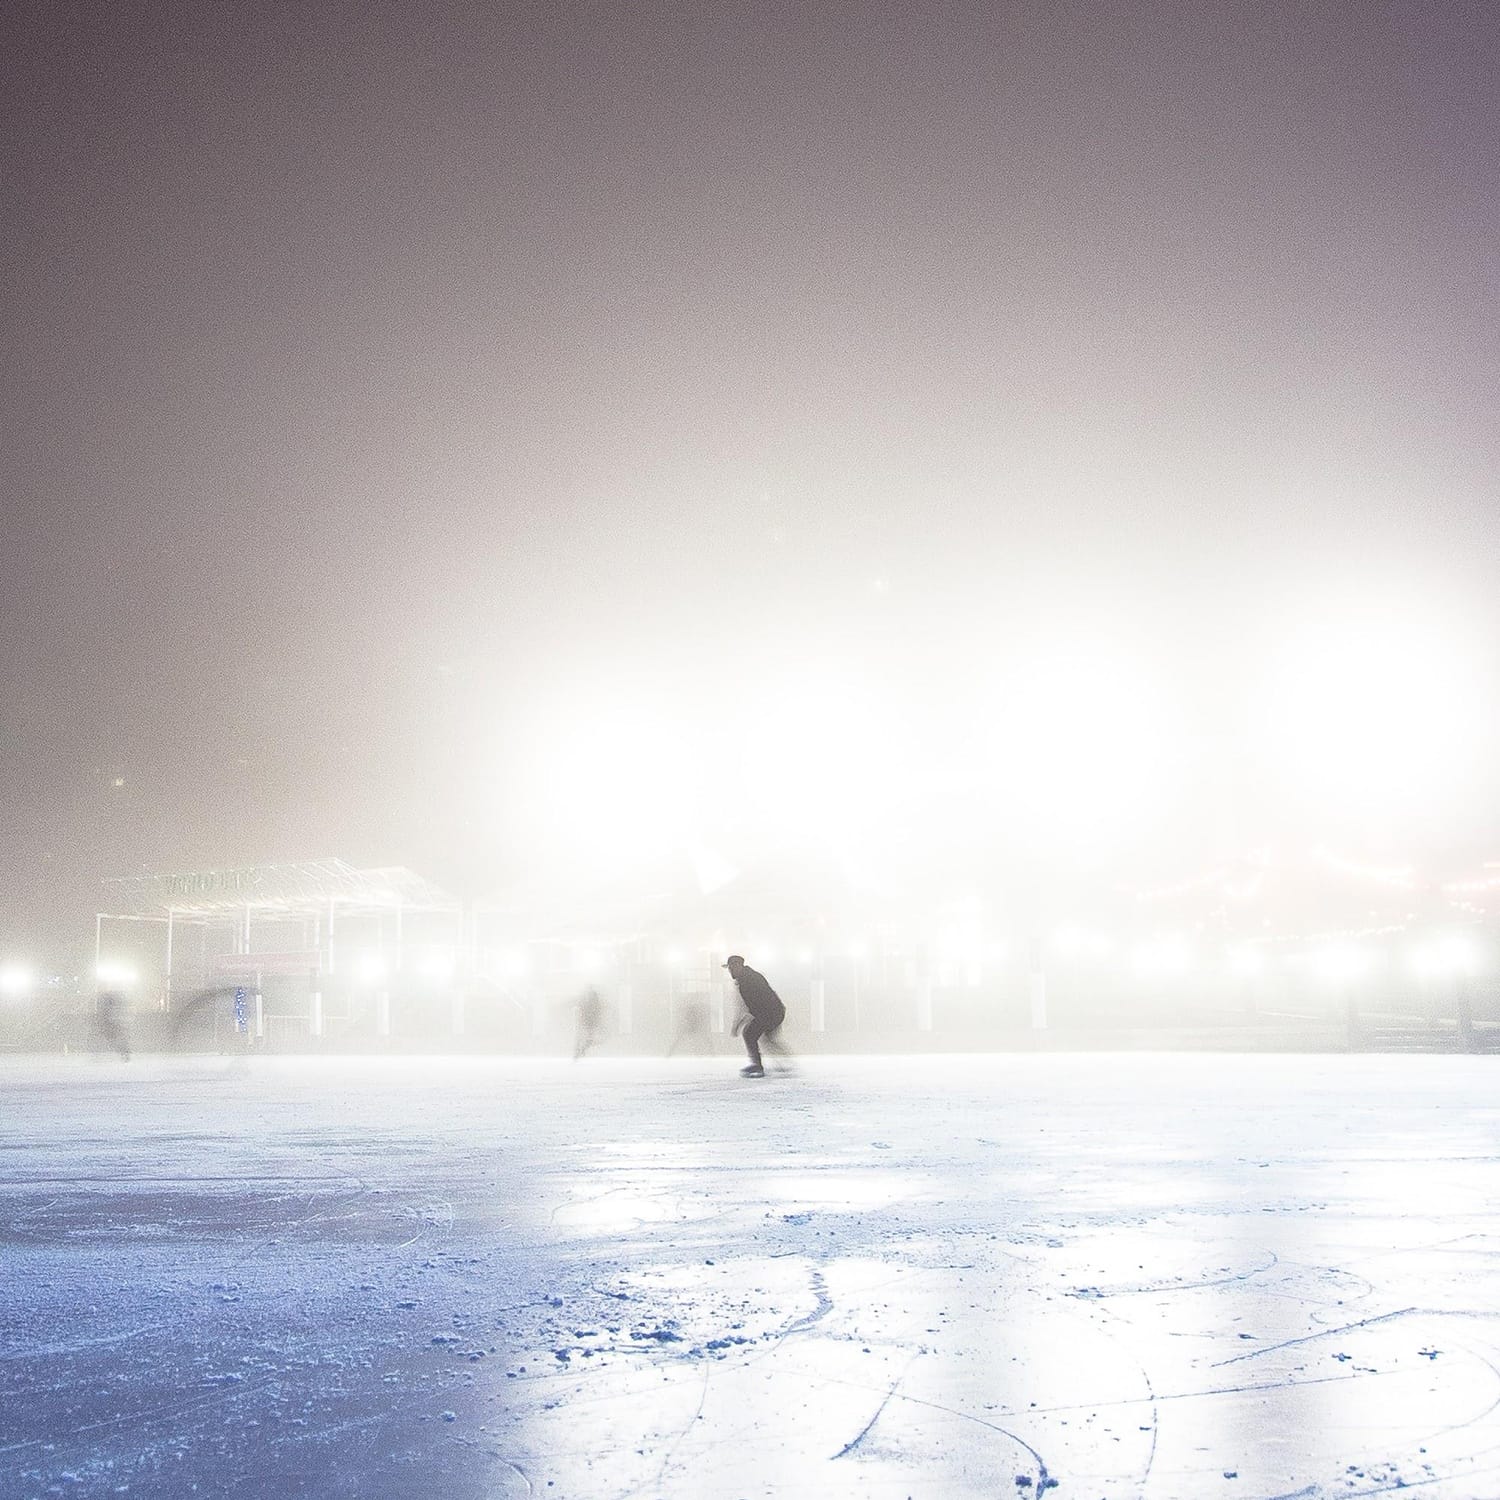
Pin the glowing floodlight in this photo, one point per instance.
(675, 958)
(804, 955)
(1077, 742)
(1453, 955)
(1341, 963)
(515, 963)
(1246, 961)
(1367, 705)
(16, 980)
(369, 968)
(611, 779)
(1459, 953)
(859, 951)
(1167, 957)
(589, 962)
(112, 971)
(438, 966)
(1069, 941)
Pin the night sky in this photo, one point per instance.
(405, 402)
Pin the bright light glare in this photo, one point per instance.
(1368, 709)
(1340, 963)
(438, 965)
(15, 980)
(812, 761)
(1059, 732)
(1067, 940)
(1450, 956)
(1077, 743)
(612, 780)
(112, 971)
(1164, 957)
(369, 968)
(1460, 953)
(515, 963)
(1246, 961)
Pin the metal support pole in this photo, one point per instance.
(1465, 1016)
(167, 993)
(1038, 987)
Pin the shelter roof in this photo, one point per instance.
(308, 887)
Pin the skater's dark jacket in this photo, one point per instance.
(760, 999)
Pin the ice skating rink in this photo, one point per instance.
(1101, 1276)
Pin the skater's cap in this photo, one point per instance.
(734, 958)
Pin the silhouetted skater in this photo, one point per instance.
(109, 1017)
(590, 1017)
(764, 1013)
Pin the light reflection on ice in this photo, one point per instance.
(874, 1280)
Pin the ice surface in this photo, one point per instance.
(1182, 1278)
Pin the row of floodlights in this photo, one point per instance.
(1450, 955)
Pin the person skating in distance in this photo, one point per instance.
(763, 1016)
(590, 1020)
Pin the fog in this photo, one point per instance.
(545, 449)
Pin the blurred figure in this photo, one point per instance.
(110, 1018)
(692, 1027)
(191, 1014)
(590, 1021)
(763, 1016)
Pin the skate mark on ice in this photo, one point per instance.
(1129, 1353)
(442, 1207)
(1309, 1338)
(1146, 1288)
(500, 1458)
(76, 1346)
(677, 1441)
(181, 1409)
(885, 1401)
(152, 1180)
(1453, 1427)
(1044, 1480)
